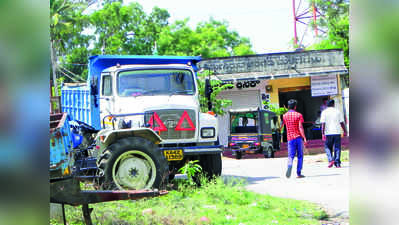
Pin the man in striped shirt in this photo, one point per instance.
(295, 136)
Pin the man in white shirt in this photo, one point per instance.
(324, 105)
(331, 123)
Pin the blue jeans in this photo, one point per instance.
(295, 147)
(333, 141)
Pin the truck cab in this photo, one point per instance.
(162, 97)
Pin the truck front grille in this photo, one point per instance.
(170, 127)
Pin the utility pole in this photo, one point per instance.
(54, 67)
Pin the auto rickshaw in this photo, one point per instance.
(251, 131)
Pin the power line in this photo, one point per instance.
(72, 73)
(68, 76)
(77, 64)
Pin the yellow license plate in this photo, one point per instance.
(172, 155)
(245, 146)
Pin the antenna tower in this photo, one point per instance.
(304, 14)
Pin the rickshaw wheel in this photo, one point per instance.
(269, 153)
(238, 155)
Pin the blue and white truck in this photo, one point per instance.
(140, 120)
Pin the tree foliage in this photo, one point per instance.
(210, 39)
(335, 20)
(127, 29)
(68, 44)
(218, 104)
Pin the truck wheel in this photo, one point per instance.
(269, 153)
(133, 163)
(211, 164)
(238, 155)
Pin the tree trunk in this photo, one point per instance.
(54, 67)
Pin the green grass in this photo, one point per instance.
(221, 202)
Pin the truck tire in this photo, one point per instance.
(133, 163)
(238, 155)
(211, 164)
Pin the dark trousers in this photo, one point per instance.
(295, 147)
(276, 140)
(333, 141)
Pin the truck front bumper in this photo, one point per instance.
(197, 150)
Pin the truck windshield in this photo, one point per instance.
(155, 82)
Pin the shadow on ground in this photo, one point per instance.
(247, 180)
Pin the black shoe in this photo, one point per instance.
(288, 173)
(300, 176)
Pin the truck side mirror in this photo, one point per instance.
(93, 86)
(208, 92)
(208, 88)
(94, 90)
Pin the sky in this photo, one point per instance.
(267, 23)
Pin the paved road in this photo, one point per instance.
(328, 187)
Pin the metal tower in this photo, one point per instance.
(304, 14)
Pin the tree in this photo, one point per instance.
(65, 26)
(335, 20)
(127, 29)
(114, 29)
(209, 39)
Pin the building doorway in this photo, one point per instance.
(307, 105)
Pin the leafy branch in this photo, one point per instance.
(218, 104)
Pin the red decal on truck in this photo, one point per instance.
(186, 117)
(160, 127)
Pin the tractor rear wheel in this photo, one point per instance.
(133, 163)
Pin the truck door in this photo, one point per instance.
(106, 99)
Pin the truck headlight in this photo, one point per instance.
(208, 132)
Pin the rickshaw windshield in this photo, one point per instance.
(244, 122)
